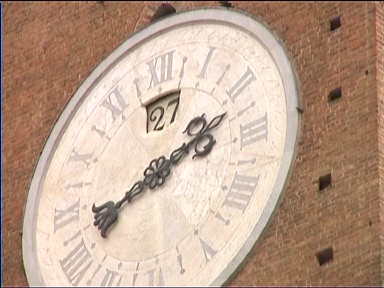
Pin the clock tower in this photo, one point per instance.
(276, 179)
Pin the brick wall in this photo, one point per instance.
(50, 48)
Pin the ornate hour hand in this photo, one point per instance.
(159, 169)
(105, 216)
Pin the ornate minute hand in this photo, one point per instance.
(159, 169)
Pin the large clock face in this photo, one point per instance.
(198, 225)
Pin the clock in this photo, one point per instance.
(170, 159)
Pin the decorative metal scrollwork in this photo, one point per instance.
(156, 172)
(159, 169)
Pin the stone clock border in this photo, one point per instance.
(236, 18)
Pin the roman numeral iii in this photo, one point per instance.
(254, 131)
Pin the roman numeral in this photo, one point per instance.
(203, 72)
(241, 84)
(243, 162)
(77, 157)
(115, 103)
(254, 131)
(150, 275)
(100, 132)
(66, 216)
(138, 92)
(165, 62)
(241, 191)
(221, 218)
(111, 278)
(208, 251)
(77, 262)
(151, 278)
(78, 185)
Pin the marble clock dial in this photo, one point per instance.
(196, 228)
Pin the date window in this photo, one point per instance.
(162, 112)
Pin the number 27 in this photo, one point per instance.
(158, 113)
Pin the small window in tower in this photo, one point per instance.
(325, 256)
(226, 4)
(325, 181)
(334, 94)
(164, 9)
(335, 23)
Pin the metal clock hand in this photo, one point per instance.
(159, 169)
